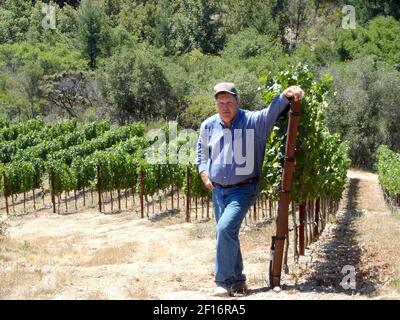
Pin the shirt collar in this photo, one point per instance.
(235, 120)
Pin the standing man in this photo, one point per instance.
(230, 152)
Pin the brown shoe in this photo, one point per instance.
(239, 287)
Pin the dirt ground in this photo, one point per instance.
(87, 255)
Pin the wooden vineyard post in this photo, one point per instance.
(187, 194)
(316, 226)
(310, 212)
(5, 192)
(165, 198)
(309, 223)
(177, 194)
(159, 200)
(321, 214)
(34, 199)
(53, 196)
(306, 234)
(295, 231)
(208, 208)
(322, 209)
(76, 207)
(111, 200)
(119, 199)
(262, 207)
(126, 198)
(141, 194)
(202, 207)
(66, 202)
(172, 197)
(99, 187)
(270, 208)
(278, 241)
(302, 209)
(195, 202)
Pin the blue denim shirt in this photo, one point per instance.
(231, 155)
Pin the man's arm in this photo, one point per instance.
(202, 157)
(265, 119)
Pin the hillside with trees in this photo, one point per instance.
(127, 60)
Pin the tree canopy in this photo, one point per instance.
(156, 59)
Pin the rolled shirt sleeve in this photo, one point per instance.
(265, 119)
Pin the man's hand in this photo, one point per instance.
(294, 92)
(206, 180)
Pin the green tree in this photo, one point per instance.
(363, 110)
(68, 91)
(247, 84)
(36, 32)
(67, 21)
(380, 37)
(14, 20)
(27, 64)
(139, 18)
(136, 86)
(367, 9)
(65, 24)
(184, 25)
(200, 108)
(6, 25)
(91, 30)
(112, 9)
(250, 43)
(241, 14)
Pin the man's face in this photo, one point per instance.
(227, 106)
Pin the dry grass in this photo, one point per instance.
(3, 228)
(96, 295)
(379, 239)
(254, 240)
(167, 218)
(32, 282)
(202, 230)
(139, 291)
(56, 251)
(25, 271)
(93, 257)
(11, 249)
(40, 251)
(251, 238)
(111, 255)
(42, 273)
(378, 233)
(17, 277)
(369, 196)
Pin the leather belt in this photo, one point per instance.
(241, 183)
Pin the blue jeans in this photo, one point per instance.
(230, 207)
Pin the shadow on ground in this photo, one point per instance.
(341, 250)
(162, 215)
